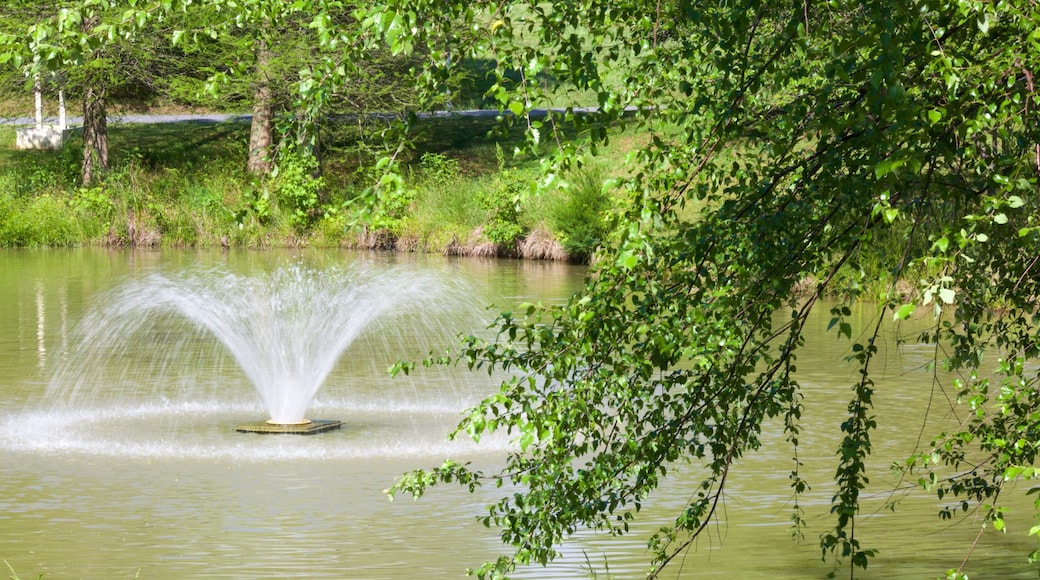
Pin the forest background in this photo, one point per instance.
(276, 173)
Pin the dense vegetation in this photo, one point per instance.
(841, 143)
(186, 185)
(838, 142)
(298, 173)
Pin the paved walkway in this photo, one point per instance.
(116, 119)
(220, 118)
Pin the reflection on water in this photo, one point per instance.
(155, 483)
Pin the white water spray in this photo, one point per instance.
(286, 329)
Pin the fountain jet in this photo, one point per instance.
(286, 329)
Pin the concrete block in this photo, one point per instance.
(46, 137)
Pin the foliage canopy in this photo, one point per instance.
(831, 142)
(298, 61)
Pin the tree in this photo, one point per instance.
(839, 143)
(259, 49)
(289, 62)
(97, 50)
(52, 38)
(95, 113)
(85, 42)
(261, 134)
(297, 64)
(14, 85)
(105, 51)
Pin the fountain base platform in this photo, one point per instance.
(308, 428)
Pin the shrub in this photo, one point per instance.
(45, 221)
(93, 201)
(382, 208)
(579, 217)
(503, 216)
(94, 209)
(296, 189)
(439, 168)
(502, 204)
(331, 229)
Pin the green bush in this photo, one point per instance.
(502, 204)
(44, 221)
(330, 230)
(94, 209)
(296, 189)
(579, 217)
(208, 205)
(8, 205)
(187, 183)
(438, 168)
(385, 207)
(93, 201)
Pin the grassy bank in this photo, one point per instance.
(185, 185)
(462, 193)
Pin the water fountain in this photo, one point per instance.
(286, 329)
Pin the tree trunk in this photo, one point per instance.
(261, 132)
(95, 134)
(95, 119)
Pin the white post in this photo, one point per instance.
(61, 110)
(38, 92)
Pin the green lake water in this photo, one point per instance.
(143, 476)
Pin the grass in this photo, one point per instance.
(184, 185)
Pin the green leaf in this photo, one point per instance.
(904, 311)
(628, 259)
(887, 166)
(845, 329)
(764, 150)
(983, 22)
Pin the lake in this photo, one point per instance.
(119, 456)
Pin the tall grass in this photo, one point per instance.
(185, 184)
(177, 184)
